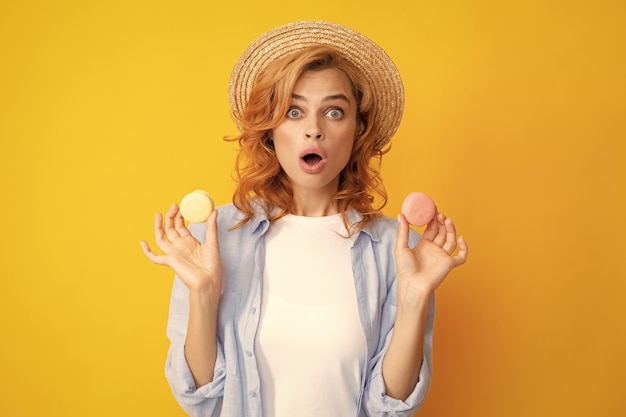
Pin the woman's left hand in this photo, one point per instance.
(421, 269)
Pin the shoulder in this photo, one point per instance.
(383, 226)
(384, 229)
(228, 217)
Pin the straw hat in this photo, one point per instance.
(379, 70)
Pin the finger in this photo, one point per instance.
(450, 245)
(159, 235)
(153, 257)
(211, 230)
(170, 229)
(440, 238)
(461, 257)
(431, 229)
(402, 239)
(179, 225)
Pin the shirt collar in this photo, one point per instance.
(369, 229)
(260, 223)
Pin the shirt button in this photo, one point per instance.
(253, 310)
(252, 394)
(249, 353)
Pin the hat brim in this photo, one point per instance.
(371, 59)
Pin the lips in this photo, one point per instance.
(312, 160)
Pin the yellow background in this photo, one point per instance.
(514, 123)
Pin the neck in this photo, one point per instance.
(313, 203)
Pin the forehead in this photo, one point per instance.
(329, 80)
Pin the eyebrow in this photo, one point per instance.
(327, 98)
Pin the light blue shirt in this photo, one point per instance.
(235, 388)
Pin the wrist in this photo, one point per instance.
(205, 297)
(413, 299)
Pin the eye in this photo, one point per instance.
(294, 113)
(334, 113)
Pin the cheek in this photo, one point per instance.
(283, 147)
(345, 150)
(281, 133)
(348, 138)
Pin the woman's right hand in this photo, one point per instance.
(197, 264)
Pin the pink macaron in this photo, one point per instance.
(418, 208)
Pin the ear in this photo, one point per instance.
(360, 126)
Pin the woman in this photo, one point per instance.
(300, 298)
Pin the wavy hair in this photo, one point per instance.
(260, 179)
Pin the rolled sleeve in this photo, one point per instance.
(378, 403)
(196, 401)
(181, 379)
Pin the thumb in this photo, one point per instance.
(211, 229)
(402, 239)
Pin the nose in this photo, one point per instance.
(314, 130)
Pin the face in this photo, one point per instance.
(314, 141)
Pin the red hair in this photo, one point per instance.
(261, 180)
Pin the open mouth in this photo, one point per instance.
(312, 159)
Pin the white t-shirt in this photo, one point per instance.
(311, 346)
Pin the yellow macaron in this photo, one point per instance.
(197, 206)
